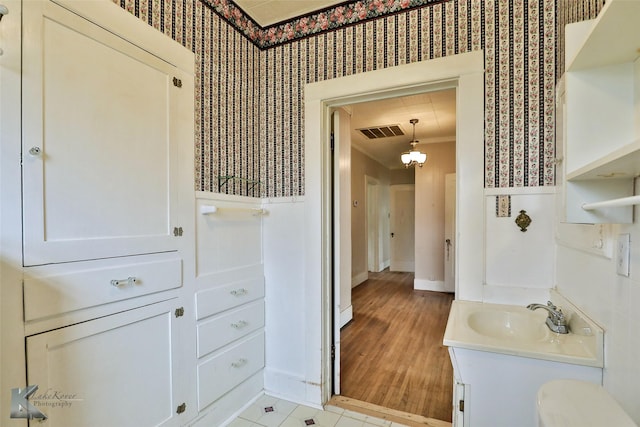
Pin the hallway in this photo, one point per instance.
(392, 353)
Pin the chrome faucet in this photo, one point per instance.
(556, 320)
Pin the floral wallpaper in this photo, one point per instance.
(250, 80)
(325, 20)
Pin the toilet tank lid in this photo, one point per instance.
(572, 403)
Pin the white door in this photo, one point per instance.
(373, 225)
(101, 141)
(112, 371)
(450, 232)
(403, 227)
(341, 233)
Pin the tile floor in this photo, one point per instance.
(269, 411)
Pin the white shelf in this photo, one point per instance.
(618, 20)
(623, 163)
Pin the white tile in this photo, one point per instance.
(355, 415)
(321, 418)
(377, 421)
(252, 413)
(327, 419)
(239, 422)
(349, 422)
(303, 412)
(257, 413)
(292, 422)
(334, 409)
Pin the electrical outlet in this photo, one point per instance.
(622, 255)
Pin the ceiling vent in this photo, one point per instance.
(382, 131)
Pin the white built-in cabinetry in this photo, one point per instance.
(229, 302)
(119, 298)
(107, 214)
(600, 113)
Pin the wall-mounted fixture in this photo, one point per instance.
(523, 220)
(413, 157)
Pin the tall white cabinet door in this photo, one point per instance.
(100, 140)
(112, 371)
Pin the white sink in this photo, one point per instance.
(515, 330)
(508, 324)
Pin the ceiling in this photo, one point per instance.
(269, 12)
(436, 114)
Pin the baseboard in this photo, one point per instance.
(346, 315)
(224, 410)
(285, 385)
(429, 285)
(359, 278)
(404, 266)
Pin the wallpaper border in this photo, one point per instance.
(324, 21)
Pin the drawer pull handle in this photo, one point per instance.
(239, 325)
(239, 292)
(239, 363)
(129, 281)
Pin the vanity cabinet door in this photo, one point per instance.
(112, 371)
(102, 128)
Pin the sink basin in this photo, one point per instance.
(508, 325)
(515, 330)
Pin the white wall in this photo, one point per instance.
(591, 283)
(361, 166)
(429, 229)
(283, 240)
(519, 265)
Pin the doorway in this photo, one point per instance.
(463, 72)
(376, 166)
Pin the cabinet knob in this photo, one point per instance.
(35, 151)
(239, 292)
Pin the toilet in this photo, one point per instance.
(572, 403)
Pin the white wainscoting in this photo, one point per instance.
(519, 266)
(283, 239)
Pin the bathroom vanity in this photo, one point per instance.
(502, 354)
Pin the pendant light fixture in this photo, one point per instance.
(413, 157)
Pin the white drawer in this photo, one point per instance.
(226, 370)
(220, 298)
(62, 288)
(224, 329)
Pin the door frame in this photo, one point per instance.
(465, 72)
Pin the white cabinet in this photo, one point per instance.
(118, 370)
(601, 115)
(229, 301)
(108, 217)
(101, 141)
(500, 390)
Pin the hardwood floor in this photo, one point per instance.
(392, 353)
